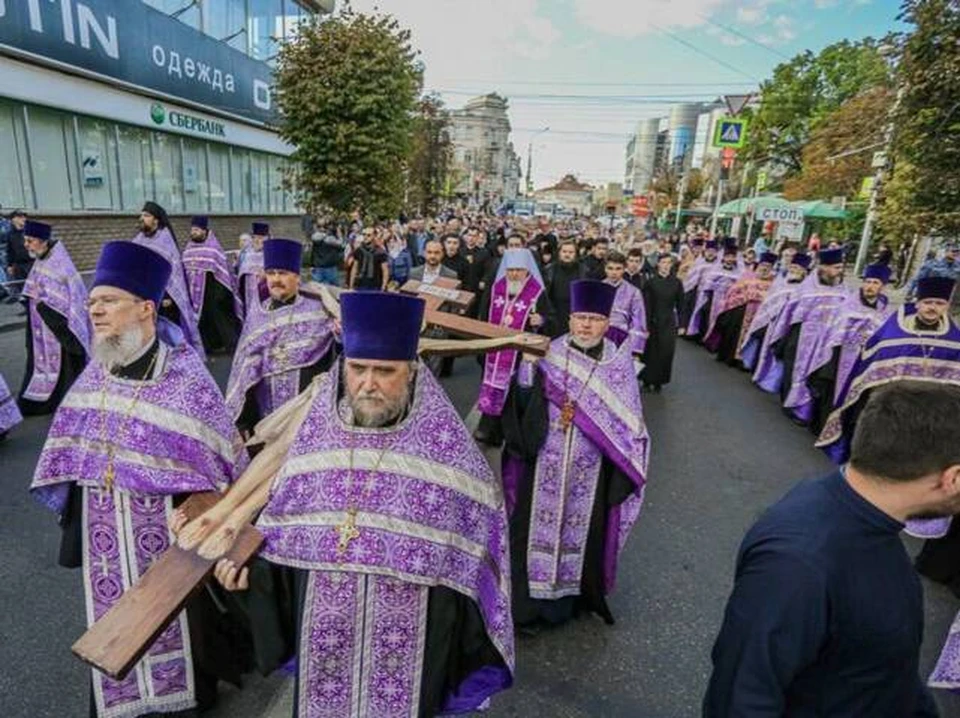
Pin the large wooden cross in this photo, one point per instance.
(220, 526)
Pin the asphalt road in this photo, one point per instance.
(722, 451)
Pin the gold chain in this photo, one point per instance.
(348, 531)
(569, 408)
(109, 473)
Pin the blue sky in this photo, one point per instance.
(590, 69)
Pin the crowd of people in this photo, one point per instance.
(398, 561)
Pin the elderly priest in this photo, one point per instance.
(575, 464)
(143, 426)
(391, 531)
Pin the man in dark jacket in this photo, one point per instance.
(559, 276)
(326, 253)
(19, 261)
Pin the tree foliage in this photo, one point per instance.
(666, 185)
(432, 155)
(923, 196)
(347, 91)
(803, 92)
(858, 125)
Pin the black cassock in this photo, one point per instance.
(220, 644)
(73, 359)
(729, 326)
(822, 385)
(664, 298)
(219, 325)
(456, 644)
(785, 349)
(525, 424)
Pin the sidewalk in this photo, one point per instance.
(11, 317)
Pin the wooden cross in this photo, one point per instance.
(439, 292)
(220, 526)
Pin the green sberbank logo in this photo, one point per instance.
(191, 123)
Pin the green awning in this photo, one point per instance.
(820, 209)
(746, 205)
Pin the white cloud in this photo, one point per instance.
(755, 15)
(629, 18)
(468, 39)
(824, 4)
(784, 25)
(725, 38)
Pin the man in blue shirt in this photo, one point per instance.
(826, 615)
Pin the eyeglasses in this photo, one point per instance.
(108, 302)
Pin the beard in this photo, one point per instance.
(585, 343)
(827, 280)
(514, 287)
(115, 351)
(375, 411)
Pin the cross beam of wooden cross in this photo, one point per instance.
(219, 527)
(439, 292)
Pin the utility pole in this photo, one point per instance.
(713, 220)
(680, 191)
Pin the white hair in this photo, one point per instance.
(117, 350)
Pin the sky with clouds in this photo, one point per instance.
(591, 69)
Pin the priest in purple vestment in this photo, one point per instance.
(574, 467)
(691, 282)
(628, 317)
(157, 234)
(9, 412)
(58, 330)
(516, 300)
(813, 305)
(712, 290)
(776, 298)
(143, 427)
(824, 363)
(212, 288)
(387, 532)
(251, 285)
(728, 331)
(283, 346)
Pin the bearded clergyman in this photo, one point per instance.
(143, 427)
(388, 530)
(575, 465)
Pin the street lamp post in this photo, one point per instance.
(530, 158)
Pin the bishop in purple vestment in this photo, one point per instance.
(826, 359)
(284, 344)
(143, 427)
(516, 300)
(575, 465)
(212, 288)
(58, 330)
(802, 317)
(157, 234)
(389, 527)
(628, 317)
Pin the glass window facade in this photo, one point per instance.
(79, 163)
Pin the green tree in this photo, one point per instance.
(432, 155)
(923, 195)
(858, 125)
(666, 185)
(803, 92)
(347, 92)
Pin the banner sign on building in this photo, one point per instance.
(130, 42)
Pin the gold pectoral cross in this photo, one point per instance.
(567, 412)
(279, 354)
(109, 474)
(348, 532)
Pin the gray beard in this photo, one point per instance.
(374, 416)
(585, 345)
(116, 351)
(513, 288)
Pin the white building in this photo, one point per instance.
(485, 164)
(570, 193)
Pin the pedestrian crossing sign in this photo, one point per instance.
(730, 133)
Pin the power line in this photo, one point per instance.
(744, 36)
(699, 51)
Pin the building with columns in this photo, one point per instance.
(486, 167)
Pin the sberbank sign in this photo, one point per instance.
(183, 121)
